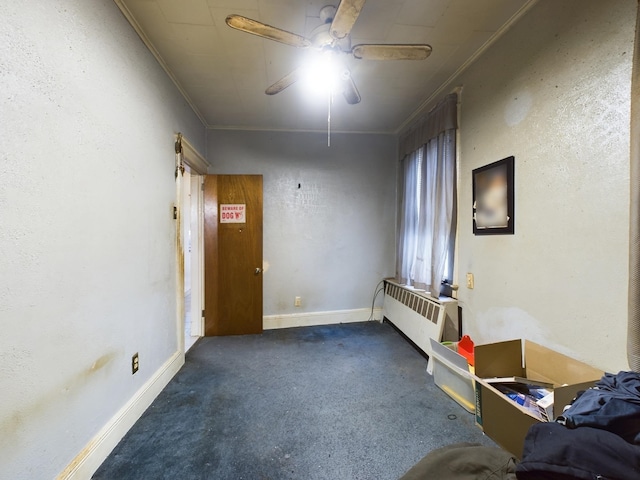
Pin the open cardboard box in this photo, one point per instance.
(505, 421)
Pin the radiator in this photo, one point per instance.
(419, 316)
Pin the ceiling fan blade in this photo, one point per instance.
(263, 30)
(391, 52)
(349, 90)
(345, 17)
(284, 82)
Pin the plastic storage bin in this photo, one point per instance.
(451, 374)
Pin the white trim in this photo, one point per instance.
(165, 66)
(192, 157)
(85, 464)
(180, 304)
(199, 167)
(299, 130)
(437, 93)
(271, 322)
(418, 111)
(197, 256)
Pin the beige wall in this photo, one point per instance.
(87, 242)
(86, 192)
(329, 241)
(554, 92)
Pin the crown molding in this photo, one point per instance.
(447, 84)
(138, 29)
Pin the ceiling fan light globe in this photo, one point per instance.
(322, 73)
(320, 36)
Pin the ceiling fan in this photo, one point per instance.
(332, 38)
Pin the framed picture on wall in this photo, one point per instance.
(493, 203)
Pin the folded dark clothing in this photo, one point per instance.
(613, 405)
(464, 461)
(552, 451)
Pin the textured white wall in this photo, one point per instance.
(87, 239)
(554, 92)
(331, 241)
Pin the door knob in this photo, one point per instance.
(258, 271)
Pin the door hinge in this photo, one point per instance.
(175, 212)
(202, 313)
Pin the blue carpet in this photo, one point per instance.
(335, 402)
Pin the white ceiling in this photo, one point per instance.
(223, 72)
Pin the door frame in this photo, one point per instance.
(197, 255)
(188, 156)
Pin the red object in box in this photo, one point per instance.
(465, 348)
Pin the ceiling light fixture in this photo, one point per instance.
(322, 76)
(334, 34)
(321, 73)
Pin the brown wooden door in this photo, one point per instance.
(232, 254)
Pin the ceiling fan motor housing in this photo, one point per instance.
(332, 40)
(320, 37)
(327, 13)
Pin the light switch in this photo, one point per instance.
(470, 280)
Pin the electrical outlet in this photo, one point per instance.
(297, 302)
(470, 283)
(135, 363)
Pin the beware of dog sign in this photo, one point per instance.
(233, 213)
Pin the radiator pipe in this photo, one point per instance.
(633, 328)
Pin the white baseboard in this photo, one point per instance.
(84, 465)
(271, 322)
(98, 449)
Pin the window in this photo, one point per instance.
(427, 210)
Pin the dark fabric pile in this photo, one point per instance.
(597, 437)
(464, 461)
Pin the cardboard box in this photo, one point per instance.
(451, 374)
(502, 419)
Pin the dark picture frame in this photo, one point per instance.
(493, 198)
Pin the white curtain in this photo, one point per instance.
(436, 212)
(408, 216)
(426, 211)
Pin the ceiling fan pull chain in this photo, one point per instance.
(329, 120)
